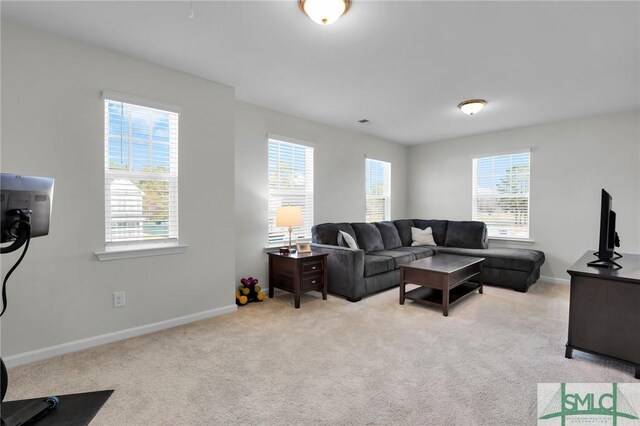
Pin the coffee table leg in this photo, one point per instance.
(480, 280)
(445, 301)
(401, 285)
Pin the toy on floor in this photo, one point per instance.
(249, 291)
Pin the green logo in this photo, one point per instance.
(612, 404)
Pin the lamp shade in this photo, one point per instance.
(289, 216)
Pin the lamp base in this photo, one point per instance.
(284, 250)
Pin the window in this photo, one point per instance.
(141, 174)
(378, 190)
(290, 184)
(501, 194)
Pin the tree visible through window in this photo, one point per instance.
(141, 174)
(501, 194)
(377, 190)
(290, 184)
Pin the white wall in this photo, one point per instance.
(339, 166)
(52, 125)
(570, 163)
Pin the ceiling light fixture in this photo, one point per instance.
(324, 12)
(472, 106)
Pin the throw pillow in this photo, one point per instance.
(351, 243)
(422, 237)
(390, 237)
(467, 234)
(341, 241)
(368, 237)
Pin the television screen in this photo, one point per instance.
(607, 228)
(608, 237)
(24, 193)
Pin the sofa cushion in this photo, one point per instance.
(515, 259)
(346, 240)
(390, 237)
(374, 265)
(404, 230)
(418, 252)
(368, 237)
(382, 282)
(399, 257)
(466, 234)
(439, 228)
(422, 237)
(327, 233)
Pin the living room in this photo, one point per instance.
(560, 82)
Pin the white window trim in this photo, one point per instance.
(514, 240)
(141, 250)
(507, 152)
(528, 150)
(290, 140)
(135, 249)
(366, 157)
(312, 146)
(112, 95)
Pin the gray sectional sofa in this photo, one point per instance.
(384, 246)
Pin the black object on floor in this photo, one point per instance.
(73, 410)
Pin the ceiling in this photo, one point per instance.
(403, 65)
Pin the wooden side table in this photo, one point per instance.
(298, 272)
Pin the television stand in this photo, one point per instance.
(606, 263)
(604, 318)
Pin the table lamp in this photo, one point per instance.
(289, 216)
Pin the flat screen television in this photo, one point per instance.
(29, 194)
(608, 236)
(25, 213)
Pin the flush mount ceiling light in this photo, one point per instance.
(324, 12)
(472, 106)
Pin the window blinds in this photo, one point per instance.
(141, 174)
(378, 190)
(501, 194)
(290, 183)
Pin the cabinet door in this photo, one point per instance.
(604, 317)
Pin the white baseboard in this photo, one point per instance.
(552, 280)
(77, 345)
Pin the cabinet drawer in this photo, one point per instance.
(312, 281)
(311, 267)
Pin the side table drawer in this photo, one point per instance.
(311, 267)
(312, 281)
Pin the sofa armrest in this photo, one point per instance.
(345, 270)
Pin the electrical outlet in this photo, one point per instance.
(119, 299)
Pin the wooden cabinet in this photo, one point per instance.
(298, 273)
(604, 310)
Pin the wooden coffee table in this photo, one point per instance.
(443, 279)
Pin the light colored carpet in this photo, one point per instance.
(335, 362)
